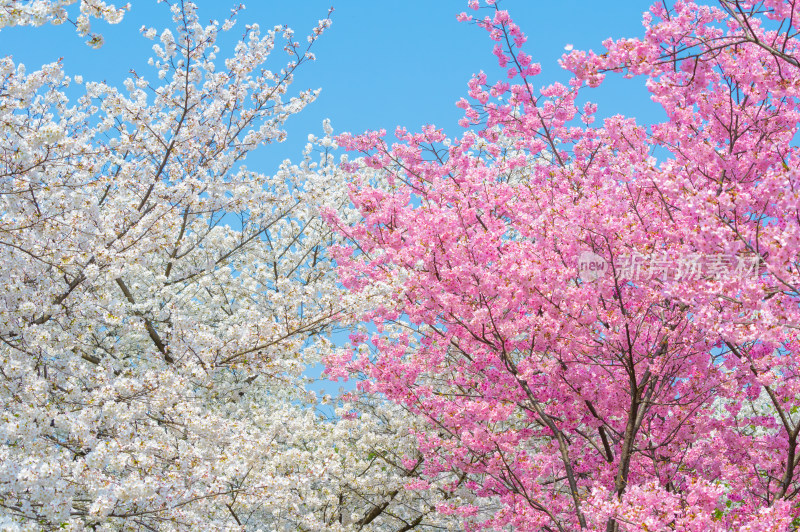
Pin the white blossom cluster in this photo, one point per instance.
(162, 301)
(40, 12)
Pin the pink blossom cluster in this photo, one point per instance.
(663, 404)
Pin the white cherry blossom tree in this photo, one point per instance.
(162, 302)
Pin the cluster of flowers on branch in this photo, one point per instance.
(162, 302)
(617, 402)
(39, 12)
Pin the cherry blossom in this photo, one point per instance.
(39, 12)
(163, 300)
(621, 402)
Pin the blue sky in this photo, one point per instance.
(381, 64)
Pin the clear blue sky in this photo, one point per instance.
(381, 64)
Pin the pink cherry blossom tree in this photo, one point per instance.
(659, 391)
